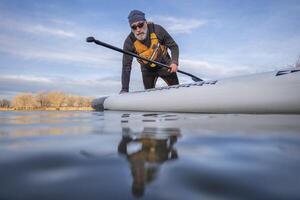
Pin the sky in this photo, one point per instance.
(43, 48)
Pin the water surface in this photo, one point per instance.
(129, 155)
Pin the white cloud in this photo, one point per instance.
(29, 78)
(36, 50)
(42, 29)
(208, 70)
(178, 25)
(61, 21)
(54, 29)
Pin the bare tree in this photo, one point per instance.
(88, 101)
(56, 98)
(42, 99)
(71, 100)
(24, 100)
(80, 101)
(84, 101)
(46, 99)
(4, 103)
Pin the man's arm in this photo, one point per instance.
(169, 42)
(126, 66)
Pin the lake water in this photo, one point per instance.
(129, 155)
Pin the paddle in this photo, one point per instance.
(92, 39)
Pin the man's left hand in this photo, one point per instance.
(173, 68)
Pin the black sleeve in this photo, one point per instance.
(169, 42)
(126, 64)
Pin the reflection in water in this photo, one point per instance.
(242, 156)
(155, 150)
(37, 123)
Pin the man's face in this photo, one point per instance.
(139, 29)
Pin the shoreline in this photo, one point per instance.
(49, 109)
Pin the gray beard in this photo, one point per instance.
(142, 36)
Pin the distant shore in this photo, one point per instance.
(49, 109)
(46, 101)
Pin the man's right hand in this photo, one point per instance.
(173, 68)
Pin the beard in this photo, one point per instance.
(142, 36)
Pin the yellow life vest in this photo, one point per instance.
(152, 52)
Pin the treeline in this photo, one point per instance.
(4, 103)
(53, 99)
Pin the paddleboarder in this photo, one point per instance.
(154, 150)
(150, 41)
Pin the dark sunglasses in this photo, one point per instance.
(140, 25)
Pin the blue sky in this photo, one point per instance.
(43, 48)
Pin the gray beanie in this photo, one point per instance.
(135, 16)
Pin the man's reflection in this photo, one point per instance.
(157, 146)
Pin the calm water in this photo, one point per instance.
(122, 155)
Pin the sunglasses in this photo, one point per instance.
(140, 25)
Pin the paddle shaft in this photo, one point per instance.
(145, 59)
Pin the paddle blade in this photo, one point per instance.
(196, 79)
(90, 39)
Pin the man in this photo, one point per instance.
(154, 151)
(151, 41)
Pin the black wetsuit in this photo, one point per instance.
(150, 75)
